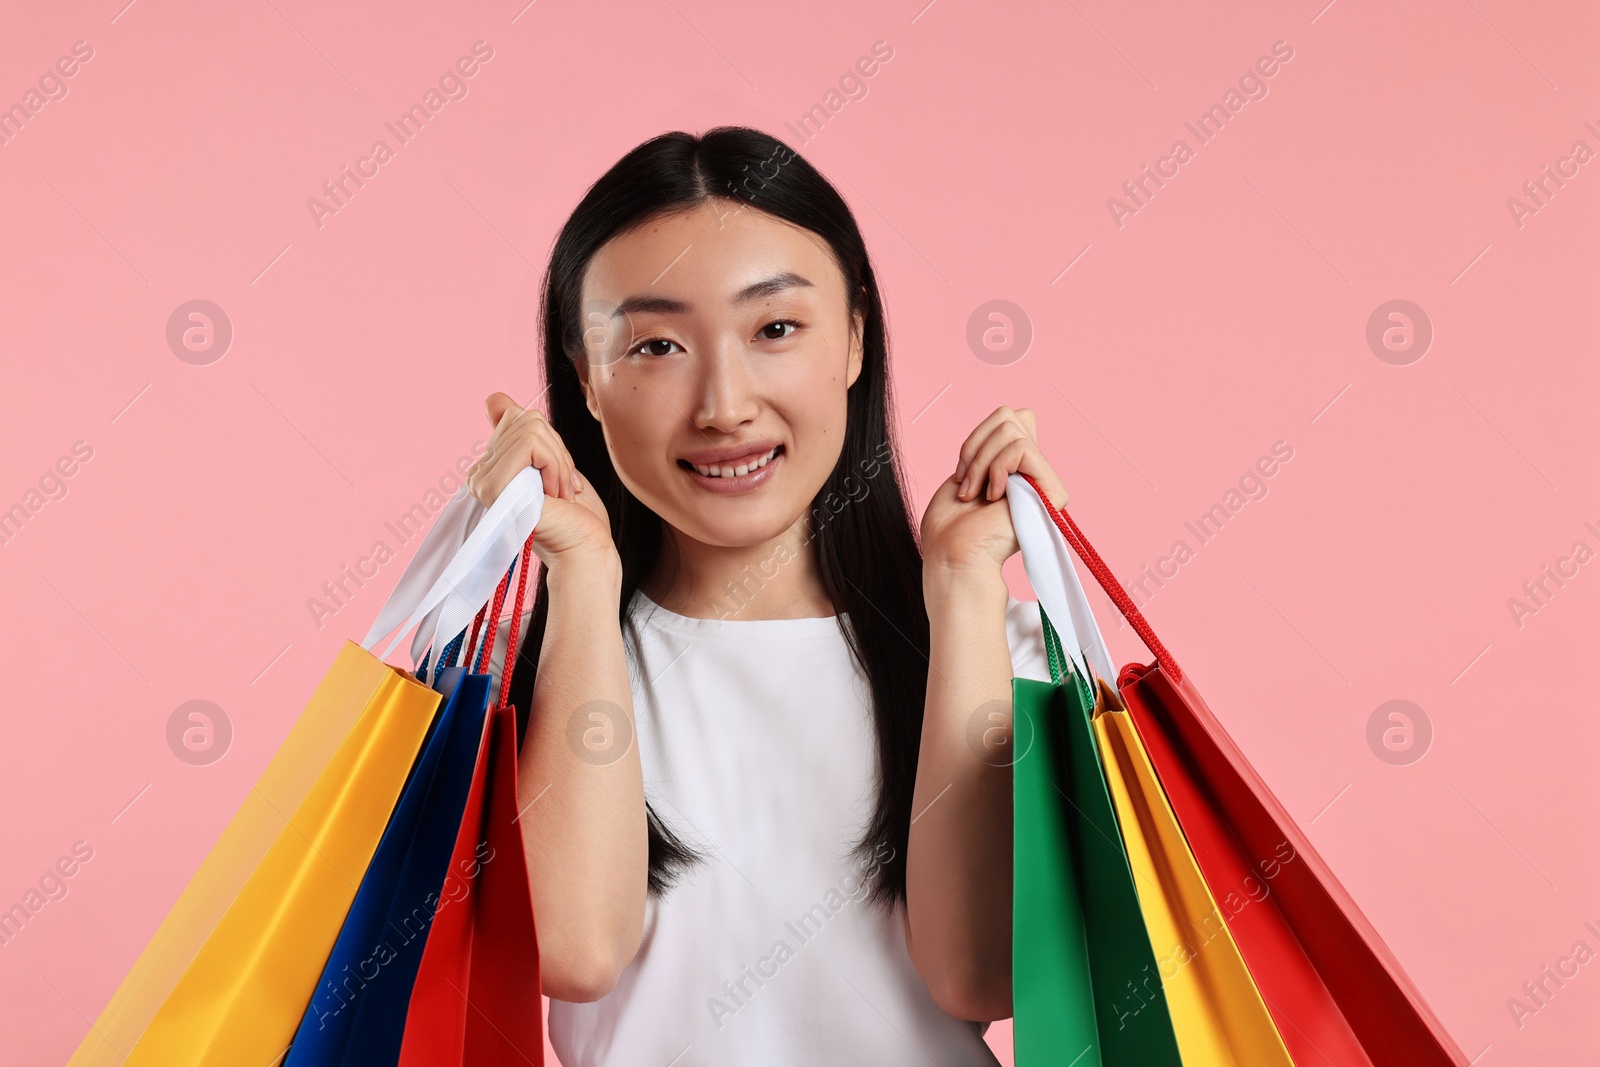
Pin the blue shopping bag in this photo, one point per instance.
(358, 1014)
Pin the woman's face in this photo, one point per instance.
(718, 349)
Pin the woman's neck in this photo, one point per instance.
(776, 579)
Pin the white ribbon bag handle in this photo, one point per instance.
(1047, 558)
(458, 565)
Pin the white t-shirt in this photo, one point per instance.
(757, 747)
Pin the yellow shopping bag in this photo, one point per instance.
(227, 976)
(1216, 1008)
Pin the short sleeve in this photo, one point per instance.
(1025, 635)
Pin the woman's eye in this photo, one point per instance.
(650, 345)
(790, 323)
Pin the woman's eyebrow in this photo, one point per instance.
(663, 305)
(771, 287)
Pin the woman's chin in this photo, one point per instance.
(719, 524)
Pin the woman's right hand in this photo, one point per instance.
(574, 522)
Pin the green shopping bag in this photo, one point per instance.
(1085, 988)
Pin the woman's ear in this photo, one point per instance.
(582, 367)
(857, 327)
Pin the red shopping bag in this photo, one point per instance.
(1335, 990)
(476, 1001)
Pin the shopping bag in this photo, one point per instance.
(226, 977)
(476, 999)
(357, 1015)
(1218, 1014)
(1217, 1011)
(1084, 984)
(1310, 1018)
(1335, 991)
(360, 1013)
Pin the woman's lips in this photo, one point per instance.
(753, 478)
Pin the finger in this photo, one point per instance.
(522, 437)
(975, 439)
(478, 475)
(998, 438)
(497, 405)
(505, 430)
(1035, 465)
(516, 454)
(542, 456)
(525, 441)
(478, 482)
(1007, 460)
(977, 463)
(517, 423)
(544, 440)
(561, 459)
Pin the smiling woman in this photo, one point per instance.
(718, 391)
(720, 383)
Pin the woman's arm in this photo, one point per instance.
(958, 858)
(580, 791)
(583, 821)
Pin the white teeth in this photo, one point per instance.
(734, 472)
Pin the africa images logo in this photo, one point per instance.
(1252, 85)
(452, 85)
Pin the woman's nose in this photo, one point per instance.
(727, 393)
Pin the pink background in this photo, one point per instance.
(1229, 313)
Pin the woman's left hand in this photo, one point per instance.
(963, 526)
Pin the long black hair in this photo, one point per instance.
(865, 540)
